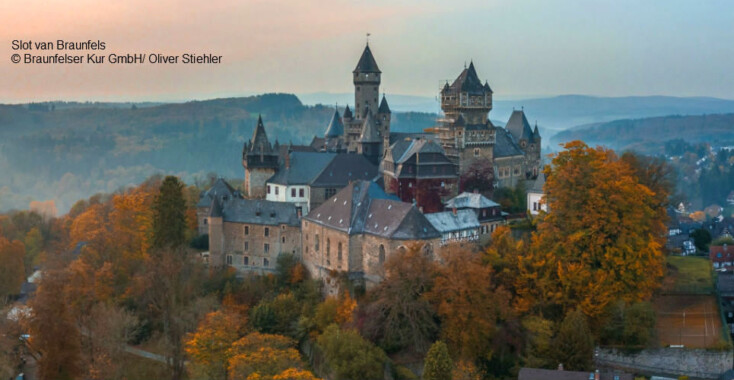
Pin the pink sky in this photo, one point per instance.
(522, 47)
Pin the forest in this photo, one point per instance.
(67, 151)
(119, 272)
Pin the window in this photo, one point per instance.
(293, 192)
(266, 262)
(476, 152)
(246, 260)
(328, 193)
(328, 251)
(316, 243)
(267, 231)
(266, 248)
(282, 239)
(300, 193)
(206, 221)
(339, 254)
(229, 259)
(276, 190)
(247, 246)
(268, 189)
(247, 230)
(381, 258)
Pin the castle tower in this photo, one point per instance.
(467, 96)
(528, 140)
(334, 135)
(383, 119)
(366, 84)
(259, 160)
(370, 141)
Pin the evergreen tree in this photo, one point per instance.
(573, 345)
(169, 208)
(438, 365)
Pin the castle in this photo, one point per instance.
(353, 197)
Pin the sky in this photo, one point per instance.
(524, 48)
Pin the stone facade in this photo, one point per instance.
(671, 361)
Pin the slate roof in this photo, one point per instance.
(367, 63)
(537, 186)
(220, 189)
(369, 130)
(470, 200)
(345, 168)
(335, 128)
(284, 149)
(384, 108)
(258, 211)
(725, 284)
(519, 127)
(468, 81)
(364, 208)
(347, 113)
(304, 167)
(505, 145)
(318, 143)
(403, 150)
(259, 142)
(401, 136)
(447, 221)
(552, 374)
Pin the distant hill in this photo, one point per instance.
(649, 135)
(67, 151)
(560, 112)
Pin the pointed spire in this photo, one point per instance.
(259, 143)
(369, 130)
(384, 108)
(335, 128)
(518, 126)
(367, 63)
(347, 113)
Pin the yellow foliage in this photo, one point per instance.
(345, 310)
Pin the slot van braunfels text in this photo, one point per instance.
(58, 45)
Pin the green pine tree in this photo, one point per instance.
(438, 365)
(169, 209)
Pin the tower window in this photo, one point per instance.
(229, 259)
(476, 152)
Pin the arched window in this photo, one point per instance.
(339, 252)
(382, 254)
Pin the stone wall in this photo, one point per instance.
(255, 179)
(700, 363)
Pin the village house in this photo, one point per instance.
(535, 195)
(456, 226)
(722, 256)
(488, 213)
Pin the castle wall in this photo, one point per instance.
(245, 240)
(255, 179)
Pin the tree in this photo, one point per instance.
(573, 345)
(538, 342)
(53, 330)
(468, 303)
(350, 356)
(169, 221)
(479, 176)
(265, 356)
(209, 345)
(438, 365)
(399, 315)
(701, 239)
(602, 239)
(12, 269)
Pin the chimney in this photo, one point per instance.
(454, 210)
(288, 161)
(596, 375)
(560, 366)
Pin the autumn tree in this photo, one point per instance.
(169, 208)
(538, 346)
(468, 303)
(399, 315)
(53, 330)
(209, 345)
(350, 356)
(12, 270)
(265, 356)
(602, 238)
(438, 365)
(573, 345)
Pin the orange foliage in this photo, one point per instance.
(345, 310)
